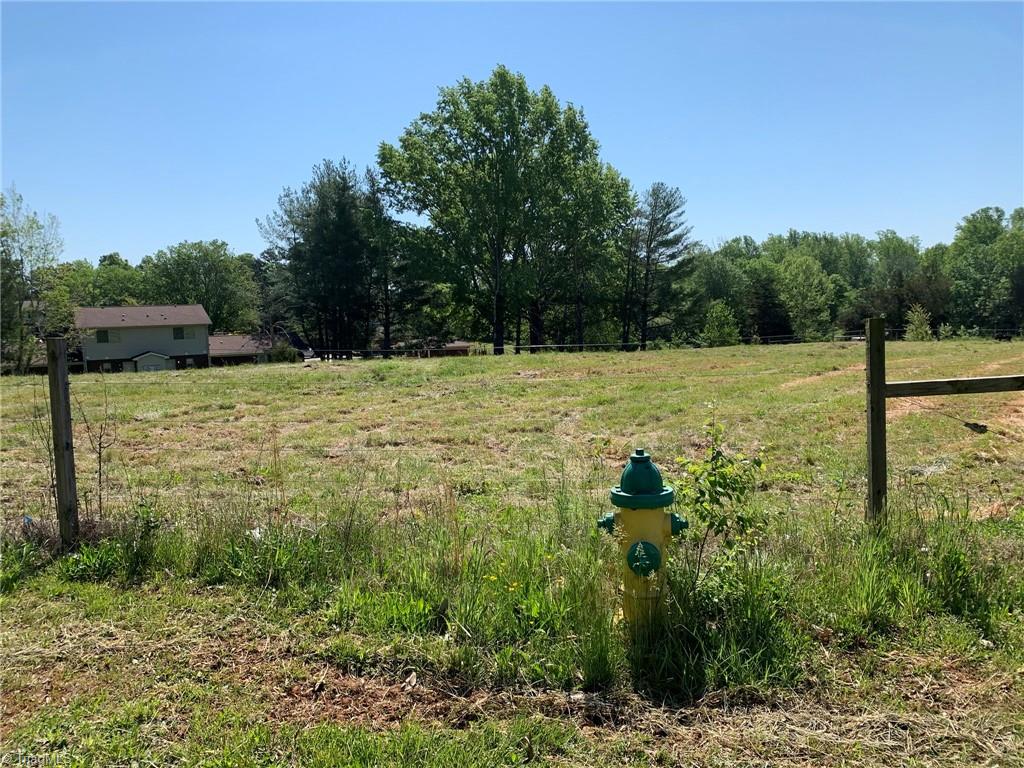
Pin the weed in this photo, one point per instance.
(92, 562)
(138, 544)
(18, 560)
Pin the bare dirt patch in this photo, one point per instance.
(815, 377)
(901, 406)
(923, 714)
(1011, 415)
(1014, 362)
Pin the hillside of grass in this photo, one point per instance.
(396, 563)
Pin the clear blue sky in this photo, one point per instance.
(141, 125)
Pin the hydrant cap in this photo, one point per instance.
(640, 486)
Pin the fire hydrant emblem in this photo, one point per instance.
(644, 530)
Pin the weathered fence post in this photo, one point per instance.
(63, 442)
(879, 390)
(875, 336)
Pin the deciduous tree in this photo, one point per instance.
(29, 245)
(207, 273)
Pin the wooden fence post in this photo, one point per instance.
(63, 442)
(877, 471)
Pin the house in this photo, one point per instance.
(234, 349)
(144, 338)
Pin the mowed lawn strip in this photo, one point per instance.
(495, 426)
(175, 673)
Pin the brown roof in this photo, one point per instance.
(227, 344)
(141, 317)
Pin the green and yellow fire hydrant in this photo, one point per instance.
(644, 529)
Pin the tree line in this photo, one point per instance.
(494, 217)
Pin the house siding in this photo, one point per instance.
(135, 341)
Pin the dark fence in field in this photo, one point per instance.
(59, 435)
(481, 348)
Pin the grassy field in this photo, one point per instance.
(395, 562)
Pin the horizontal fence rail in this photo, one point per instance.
(879, 390)
(978, 386)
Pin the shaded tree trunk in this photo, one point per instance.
(643, 324)
(628, 298)
(386, 319)
(499, 305)
(536, 323)
(579, 318)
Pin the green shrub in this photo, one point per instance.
(715, 491)
(726, 620)
(720, 326)
(283, 352)
(919, 324)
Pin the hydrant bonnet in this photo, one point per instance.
(640, 486)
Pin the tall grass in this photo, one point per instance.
(860, 582)
(525, 596)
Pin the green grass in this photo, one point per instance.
(390, 563)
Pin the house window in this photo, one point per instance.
(102, 337)
(106, 367)
(190, 362)
(179, 333)
(183, 333)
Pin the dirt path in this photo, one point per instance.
(824, 375)
(1010, 412)
(912, 709)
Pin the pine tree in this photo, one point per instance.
(919, 326)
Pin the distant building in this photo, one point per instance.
(235, 349)
(144, 338)
(455, 349)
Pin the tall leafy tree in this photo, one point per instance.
(463, 166)
(982, 264)
(766, 315)
(522, 208)
(577, 215)
(116, 282)
(207, 273)
(384, 242)
(29, 247)
(1009, 252)
(897, 266)
(274, 291)
(807, 293)
(62, 288)
(317, 231)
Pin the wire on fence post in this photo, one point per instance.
(875, 336)
(63, 442)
